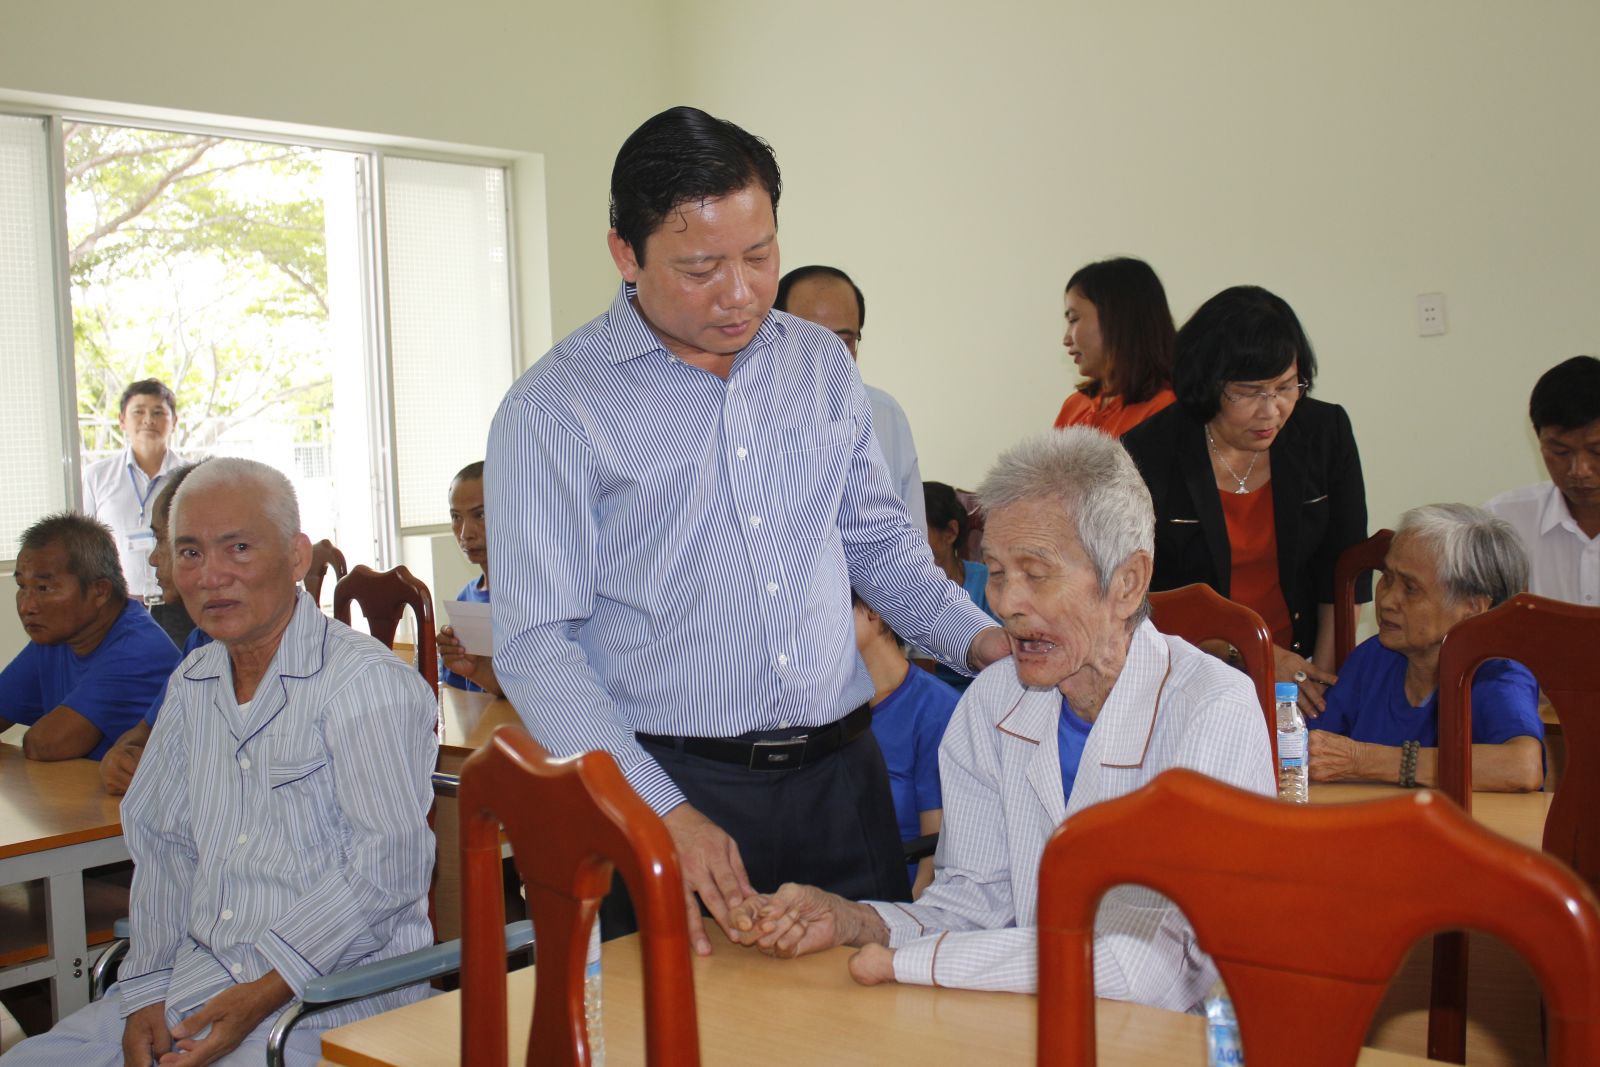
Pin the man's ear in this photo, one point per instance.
(623, 256)
(99, 591)
(300, 549)
(1130, 582)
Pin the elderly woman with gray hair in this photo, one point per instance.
(1448, 562)
(1092, 704)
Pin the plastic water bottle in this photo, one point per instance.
(591, 999)
(1292, 755)
(1222, 1029)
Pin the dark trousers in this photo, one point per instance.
(829, 824)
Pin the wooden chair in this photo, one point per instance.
(383, 598)
(324, 556)
(1307, 906)
(1199, 613)
(1358, 559)
(570, 822)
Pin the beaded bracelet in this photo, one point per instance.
(1408, 763)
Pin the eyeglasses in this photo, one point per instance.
(1286, 394)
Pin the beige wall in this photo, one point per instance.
(961, 160)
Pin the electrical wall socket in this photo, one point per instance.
(1430, 314)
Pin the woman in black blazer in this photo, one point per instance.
(1257, 487)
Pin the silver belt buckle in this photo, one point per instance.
(777, 755)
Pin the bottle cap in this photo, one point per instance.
(1288, 691)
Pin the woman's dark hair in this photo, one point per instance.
(1243, 334)
(944, 507)
(1135, 327)
(680, 156)
(1567, 396)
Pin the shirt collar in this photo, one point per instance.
(1555, 513)
(632, 337)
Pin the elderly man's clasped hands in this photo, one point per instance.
(798, 920)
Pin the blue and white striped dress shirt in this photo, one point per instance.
(290, 835)
(674, 552)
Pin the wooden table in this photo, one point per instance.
(755, 1010)
(56, 822)
(469, 719)
(1502, 993)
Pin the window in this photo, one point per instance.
(361, 352)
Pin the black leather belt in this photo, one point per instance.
(775, 753)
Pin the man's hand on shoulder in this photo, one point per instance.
(712, 869)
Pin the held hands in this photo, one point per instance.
(1316, 681)
(712, 868)
(797, 920)
(230, 1015)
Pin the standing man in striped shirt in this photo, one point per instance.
(681, 495)
(278, 818)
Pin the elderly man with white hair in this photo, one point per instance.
(278, 819)
(1092, 704)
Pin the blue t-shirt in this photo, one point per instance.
(471, 591)
(111, 686)
(1368, 702)
(909, 723)
(197, 638)
(1072, 733)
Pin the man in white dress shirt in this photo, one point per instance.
(278, 819)
(828, 297)
(120, 490)
(1559, 520)
(1092, 704)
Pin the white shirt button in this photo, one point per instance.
(783, 661)
(772, 587)
(755, 520)
(237, 968)
(244, 763)
(243, 838)
(742, 452)
(227, 914)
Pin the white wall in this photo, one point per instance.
(961, 160)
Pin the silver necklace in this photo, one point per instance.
(1212, 444)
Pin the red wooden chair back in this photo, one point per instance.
(324, 556)
(1559, 643)
(1309, 905)
(570, 822)
(1199, 613)
(384, 597)
(1358, 559)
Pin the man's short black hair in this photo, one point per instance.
(91, 549)
(800, 274)
(683, 156)
(148, 387)
(1243, 334)
(472, 472)
(1567, 396)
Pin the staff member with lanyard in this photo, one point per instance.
(121, 490)
(679, 497)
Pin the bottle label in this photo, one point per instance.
(1292, 748)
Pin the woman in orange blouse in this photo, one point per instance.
(1119, 333)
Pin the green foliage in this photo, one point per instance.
(201, 261)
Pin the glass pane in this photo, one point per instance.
(449, 322)
(35, 482)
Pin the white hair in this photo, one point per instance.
(1475, 553)
(1094, 480)
(272, 490)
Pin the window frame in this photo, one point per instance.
(373, 150)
